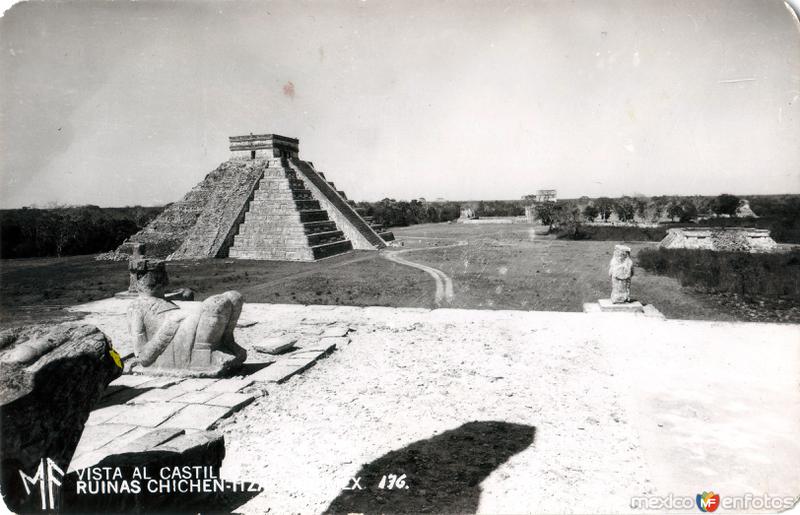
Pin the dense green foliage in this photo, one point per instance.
(726, 204)
(500, 208)
(615, 233)
(68, 231)
(773, 274)
(400, 213)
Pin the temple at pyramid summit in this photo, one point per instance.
(263, 203)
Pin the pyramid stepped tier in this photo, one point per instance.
(263, 203)
(199, 224)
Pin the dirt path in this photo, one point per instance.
(444, 284)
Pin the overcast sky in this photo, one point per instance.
(132, 103)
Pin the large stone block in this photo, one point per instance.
(50, 377)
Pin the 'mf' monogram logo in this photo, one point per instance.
(47, 476)
(707, 501)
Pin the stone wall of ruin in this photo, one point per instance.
(724, 239)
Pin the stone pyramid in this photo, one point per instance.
(263, 203)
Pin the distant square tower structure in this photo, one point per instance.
(546, 196)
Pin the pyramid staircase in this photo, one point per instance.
(284, 222)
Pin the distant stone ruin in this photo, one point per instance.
(744, 210)
(728, 239)
(546, 196)
(263, 203)
(466, 214)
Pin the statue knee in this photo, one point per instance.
(217, 306)
(235, 299)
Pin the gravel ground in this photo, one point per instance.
(512, 412)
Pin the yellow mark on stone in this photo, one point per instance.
(115, 357)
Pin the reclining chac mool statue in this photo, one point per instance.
(169, 340)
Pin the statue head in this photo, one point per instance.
(150, 276)
(621, 252)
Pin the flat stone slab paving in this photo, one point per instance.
(277, 372)
(336, 331)
(200, 397)
(233, 401)
(158, 395)
(277, 344)
(84, 458)
(159, 382)
(150, 414)
(130, 380)
(97, 436)
(150, 410)
(104, 414)
(232, 385)
(196, 383)
(635, 308)
(325, 345)
(150, 439)
(197, 416)
(627, 307)
(296, 362)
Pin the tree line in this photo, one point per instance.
(779, 213)
(74, 230)
(400, 213)
(68, 230)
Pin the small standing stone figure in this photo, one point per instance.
(621, 270)
(137, 253)
(174, 341)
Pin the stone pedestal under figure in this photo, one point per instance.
(169, 340)
(620, 269)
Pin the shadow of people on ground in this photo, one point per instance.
(443, 473)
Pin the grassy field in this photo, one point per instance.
(499, 266)
(36, 289)
(517, 266)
